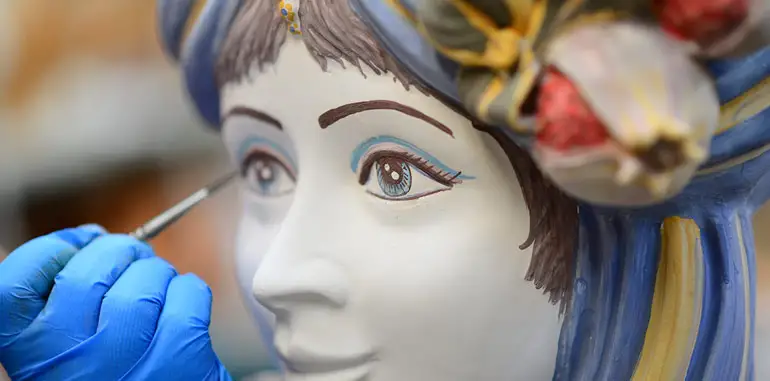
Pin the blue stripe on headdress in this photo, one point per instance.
(406, 45)
(172, 18)
(199, 51)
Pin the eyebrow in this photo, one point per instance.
(255, 114)
(332, 116)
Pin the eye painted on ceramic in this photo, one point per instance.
(266, 168)
(393, 169)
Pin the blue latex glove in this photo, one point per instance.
(80, 304)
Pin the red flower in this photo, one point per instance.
(564, 118)
(702, 21)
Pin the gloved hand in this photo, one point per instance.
(81, 304)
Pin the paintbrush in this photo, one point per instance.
(158, 224)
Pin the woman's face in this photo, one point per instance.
(381, 230)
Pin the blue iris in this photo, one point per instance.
(266, 177)
(394, 182)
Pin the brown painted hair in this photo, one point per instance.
(331, 31)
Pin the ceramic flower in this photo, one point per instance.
(623, 115)
(619, 109)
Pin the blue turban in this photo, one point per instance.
(192, 32)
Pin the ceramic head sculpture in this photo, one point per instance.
(383, 214)
(369, 203)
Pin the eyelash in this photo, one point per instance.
(422, 164)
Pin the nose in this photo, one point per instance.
(286, 285)
(303, 267)
(298, 268)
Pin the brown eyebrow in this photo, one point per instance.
(332, 116)
(252, 113)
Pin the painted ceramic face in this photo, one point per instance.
(382, 236)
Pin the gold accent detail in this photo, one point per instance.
(748, 104)
(400, 9)
(735, 161)
(492, 91)
(192, 19)
(676, 305)
(519, 11)
(502, 46)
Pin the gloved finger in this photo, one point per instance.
(127, 322)
(188, 304)
(76, 297)
(182, 335)
(27, 275)
(131, 308)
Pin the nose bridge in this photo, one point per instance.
(298, 268)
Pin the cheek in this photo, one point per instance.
(464, 266)
(260, 221)
(455, 278)
(252, 243)
(265, 212)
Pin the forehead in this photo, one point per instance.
(296, 91)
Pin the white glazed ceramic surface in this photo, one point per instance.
(428, 289)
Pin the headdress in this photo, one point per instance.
(192, 32)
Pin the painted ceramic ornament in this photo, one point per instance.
(289, 10)
(387, 224)
(637, 146)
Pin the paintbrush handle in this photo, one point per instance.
(158, 224)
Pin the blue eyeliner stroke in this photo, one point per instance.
(254, 140)
(367, 144)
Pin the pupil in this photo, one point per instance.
(394, 176)
(265, 172)
(393, 171)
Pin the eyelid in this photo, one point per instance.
(248, 146)
(364, 150)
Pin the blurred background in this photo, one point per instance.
(95, 127)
